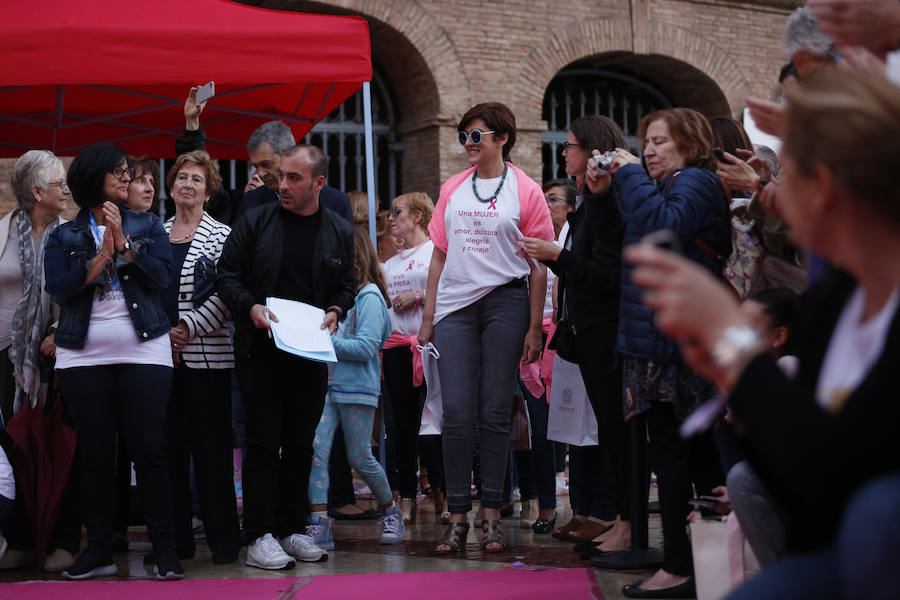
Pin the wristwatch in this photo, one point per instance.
(734, 343)
(125, 247)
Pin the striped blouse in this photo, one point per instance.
(209, 346)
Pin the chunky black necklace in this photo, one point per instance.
(496, 192)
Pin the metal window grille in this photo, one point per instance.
(575, 93)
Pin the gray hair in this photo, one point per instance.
(34, 169)
(802, 32)
(769, 156)
(275, 133)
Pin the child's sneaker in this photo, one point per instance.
(392, 525)
(320, 530)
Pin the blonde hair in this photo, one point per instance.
(849, 122)
(419, 202)
(359, 207)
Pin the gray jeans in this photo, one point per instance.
(756, 512)
(480, 347)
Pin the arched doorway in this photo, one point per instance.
(584, 90)
(624, 87)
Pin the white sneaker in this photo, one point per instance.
(302, 547)
(266, 553)
(392, 528)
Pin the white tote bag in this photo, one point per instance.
(433, 411)
(572, 419)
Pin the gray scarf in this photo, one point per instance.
(28, 326)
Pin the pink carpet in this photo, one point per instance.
(564, 584)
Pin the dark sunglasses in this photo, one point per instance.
(475, 136)
(396, 210)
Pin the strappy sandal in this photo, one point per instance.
(454, 538)
(493, 534)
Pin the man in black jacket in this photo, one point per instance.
(298, 250)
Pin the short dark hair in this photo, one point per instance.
(566, 184)
(498, 117)
(145, 164)
(782, 305)
(318, 158)
(88, 172)
(729, 135)
(596, 132)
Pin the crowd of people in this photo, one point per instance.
(703, 271)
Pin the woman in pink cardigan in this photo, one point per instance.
(483, 309)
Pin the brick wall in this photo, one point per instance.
(443, 56)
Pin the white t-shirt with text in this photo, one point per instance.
(407, 271)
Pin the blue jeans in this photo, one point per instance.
(480, 347)
(861, 563)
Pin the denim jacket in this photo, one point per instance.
(67, 259)
(367, 328)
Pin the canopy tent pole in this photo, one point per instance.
(370, 161)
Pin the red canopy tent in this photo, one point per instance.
(76, 73)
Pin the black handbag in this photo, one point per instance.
(204, 280)
(563, 341)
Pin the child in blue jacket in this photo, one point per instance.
(352, 399)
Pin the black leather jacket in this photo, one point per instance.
(251, 260)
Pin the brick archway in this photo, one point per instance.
(426, 74)
(405, 27)
(675, 56)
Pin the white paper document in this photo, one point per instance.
(299, 330)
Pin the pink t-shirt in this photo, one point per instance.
(481, 238)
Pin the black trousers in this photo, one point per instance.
(602, 374)
(678, 463)
(198, 425)
(284, 396)
(103, 400)
(402, 419)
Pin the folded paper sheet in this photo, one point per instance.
(299, 330)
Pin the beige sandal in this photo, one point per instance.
(454, 538)
(493, 534)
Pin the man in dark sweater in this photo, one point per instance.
(295, 249)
